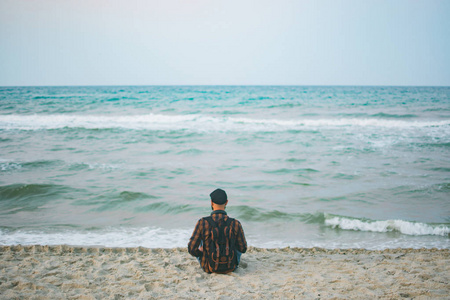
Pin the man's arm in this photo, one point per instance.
(241, 244)
(196, 238)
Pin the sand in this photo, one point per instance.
(64, 272)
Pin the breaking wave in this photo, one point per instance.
(196, 123)
(401, 226)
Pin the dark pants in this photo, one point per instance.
(238, 256)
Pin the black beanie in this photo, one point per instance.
(219, 197)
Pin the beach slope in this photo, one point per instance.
(55, 272)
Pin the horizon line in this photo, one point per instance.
(219, 85)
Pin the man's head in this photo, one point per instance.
(219, 199)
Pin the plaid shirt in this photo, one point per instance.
(201, 234)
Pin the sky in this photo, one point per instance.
(224, 42)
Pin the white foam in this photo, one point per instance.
(195, 122)
(151, 237)
(106, 167)
(404, 227)
(8, 165)
(154, 237)
(340, 243)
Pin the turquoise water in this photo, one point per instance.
(333, 167)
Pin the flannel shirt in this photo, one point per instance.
(201, 234)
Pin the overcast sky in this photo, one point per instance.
(224, 42)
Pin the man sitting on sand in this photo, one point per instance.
(218, 241)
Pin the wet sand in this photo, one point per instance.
(65, 272)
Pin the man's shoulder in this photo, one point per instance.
(206, 218)
(234, 220)
(202, 219)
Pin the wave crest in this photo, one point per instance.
(404, 227)
(196, 123)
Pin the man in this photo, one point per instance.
(200, 241)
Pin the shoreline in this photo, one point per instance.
(101, 248)
(76, 272)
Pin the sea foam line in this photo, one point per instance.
(154, 237)
(151, 237)
(194, 122)
(404, 227)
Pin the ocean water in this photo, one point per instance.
(332, 167)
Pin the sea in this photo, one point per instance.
(303, 166)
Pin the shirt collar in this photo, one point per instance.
(219, 212)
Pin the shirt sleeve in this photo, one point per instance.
(196, 238)
(241, 244)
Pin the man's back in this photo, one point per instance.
(200, 244)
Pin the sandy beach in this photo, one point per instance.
(65, 272)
